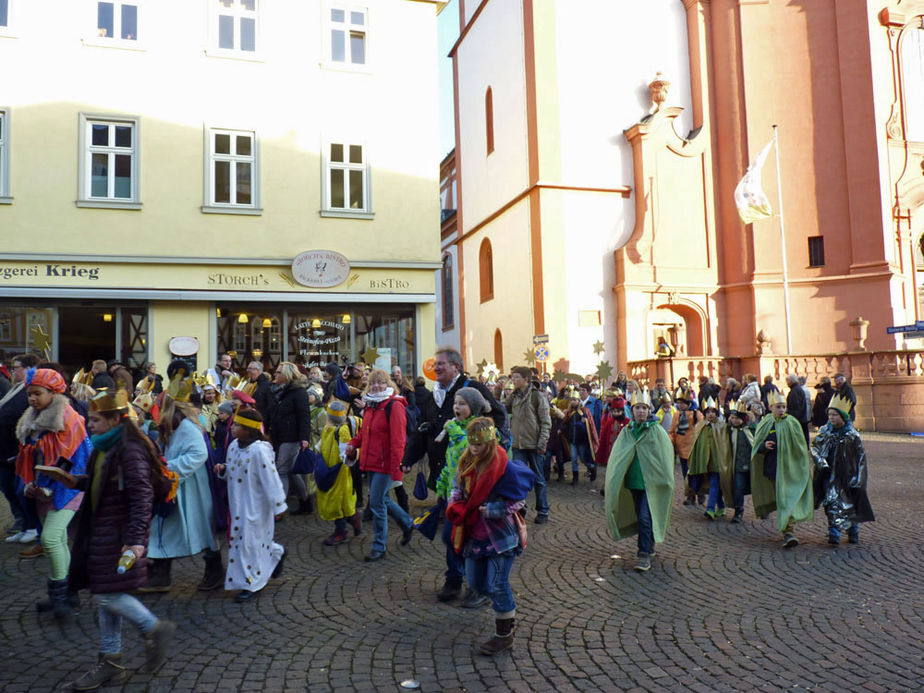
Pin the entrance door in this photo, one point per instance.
(85, 334)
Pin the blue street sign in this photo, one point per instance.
(541, 352)
(897, 329)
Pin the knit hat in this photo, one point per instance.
(317, 391)
(475, 400)
(47, 378)
(336, 412)
(332, 369)
(226, 407)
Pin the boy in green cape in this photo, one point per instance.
(781, 470)
(710, 460)
(640, 481)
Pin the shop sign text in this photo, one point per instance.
(51, 269)
(320, 269)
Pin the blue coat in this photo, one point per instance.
(188, 529)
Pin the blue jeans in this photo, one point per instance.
(715, 493)
(534, 461)
(835, 533)
(582, 451)
(490, 575)
(113, 607)
(455, 564)
(645, 531)
(382, 506)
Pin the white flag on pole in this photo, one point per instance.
(750, 199)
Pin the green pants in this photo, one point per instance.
(54, 541)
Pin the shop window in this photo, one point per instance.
(234, 27)
(233, 172)
(486, 271)
(499, 349)
(447, 292)
(108, 162)
(347, 34)
(275, 339)
(489, 119)
(346, 181)
(5, 157)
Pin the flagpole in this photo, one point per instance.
(779, 191)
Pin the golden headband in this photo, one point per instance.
(249, 423)
(335, 412)
(481, 435)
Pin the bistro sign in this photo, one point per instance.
(320, 269)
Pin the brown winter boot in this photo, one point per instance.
(502, 640)
(214, 576)
(357, 523)
(108, 669)
(158, 576)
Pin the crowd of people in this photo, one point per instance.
(154, 469)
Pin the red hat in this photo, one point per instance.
(47, 378)
(243, 396)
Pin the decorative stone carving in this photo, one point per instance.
(860, 327)
(763, 343)
(658, 87)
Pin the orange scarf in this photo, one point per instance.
(476, 487)
(51, 445)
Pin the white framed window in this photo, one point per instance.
(346, 180)
(346, 39)
(117, 20)
(5, 156)
(6, 19)
(233, 172)
(109, 156)
(234, 28)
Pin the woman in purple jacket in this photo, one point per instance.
(114, 524)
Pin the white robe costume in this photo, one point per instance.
(255, 496)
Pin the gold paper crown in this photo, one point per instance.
(775, 398)
(841, 404)
(250, 388)
(146, 384)
(481, 435)
(612, 393)
(234, 382)
(739, 407)
(683, 394)
(144, 401)
(710, 403)
(109, 400)
(181, 387)
(640, 397)
(204, 380)
(83, 377)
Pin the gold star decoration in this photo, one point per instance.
(558, 376)
(604, 371)
(370, 356)
(529, 356)
(40, 340)
(481, 366)
(598, 347)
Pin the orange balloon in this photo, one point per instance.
(428, 368)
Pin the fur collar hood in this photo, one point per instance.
(50, 419)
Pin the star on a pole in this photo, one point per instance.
(529, 356)
(598, 347)
(370, 356)
(481, 366)
(604, 371)
(40, 339)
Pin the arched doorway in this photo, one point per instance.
(679, 325)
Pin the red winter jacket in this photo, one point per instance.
(382, 437)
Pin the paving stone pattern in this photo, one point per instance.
(723, 608)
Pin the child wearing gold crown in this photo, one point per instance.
(709, 460)
(256, 499)
(781, 470)
(740, 443)
(640, 481)
(841, 472)
(337, 499)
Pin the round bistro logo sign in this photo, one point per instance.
(320, 269)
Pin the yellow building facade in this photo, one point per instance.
(262, 177)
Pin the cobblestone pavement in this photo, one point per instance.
(723, 608)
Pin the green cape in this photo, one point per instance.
(791, 495)
(720, 453)
(656, 458)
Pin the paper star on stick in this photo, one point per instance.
(598, 347)
(481, 366)
(370, 356)
(529, 356)
(604, 371)
(40, 339)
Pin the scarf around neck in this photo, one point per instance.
(376, 397)
(105, 441)
(477, 487)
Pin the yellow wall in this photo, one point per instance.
(176, 319)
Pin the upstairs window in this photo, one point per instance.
(448, 293)
(346, 180)
(347, 34)
(233, 178)
(117, 20)
(816, 251)
(109, 162)
(4, 13)
(486, 271)
(489, 119)
(4, 156)
(235, 25)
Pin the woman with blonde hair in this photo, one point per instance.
(382, 439)
(290, 430)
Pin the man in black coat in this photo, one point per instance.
(262, 391)
(846, 391)
(437, 410)
(796, 406)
